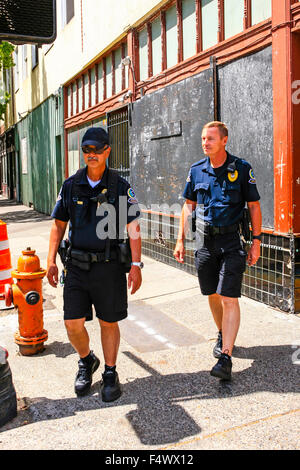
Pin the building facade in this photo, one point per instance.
(152, 73)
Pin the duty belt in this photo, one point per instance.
(89, 257)
(212, 230)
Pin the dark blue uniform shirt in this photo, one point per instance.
(221, 194)
(81, 211)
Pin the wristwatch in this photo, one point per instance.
(256, 237)
(140, 264)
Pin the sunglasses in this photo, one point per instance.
(97, 151)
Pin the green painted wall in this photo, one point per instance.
(40, 147)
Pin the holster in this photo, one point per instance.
(125, 255)
(245, 224)
(63, 251)
(194, 225)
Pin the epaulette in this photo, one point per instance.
(243, 162)
(78, 175)
(70, 179)
(200, 162)
(238, 160)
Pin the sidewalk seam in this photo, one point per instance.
(221, 433)
(167, 293)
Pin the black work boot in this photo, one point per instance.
(87, 367)
(222, 369)
(217, 351)
(110, 386)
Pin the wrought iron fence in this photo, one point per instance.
(117, 126)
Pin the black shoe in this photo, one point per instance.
(217, 351)
(222, 369)
(83, 380)
(110, 386)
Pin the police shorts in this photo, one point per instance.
(104, 287)
(221, 263)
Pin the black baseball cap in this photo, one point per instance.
(95, 136)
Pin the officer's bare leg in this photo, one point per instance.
(230, 323)
(216, 307)
(110, 338)
(78, 336)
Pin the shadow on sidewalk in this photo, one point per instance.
(159, 417)
(19, 215)
(8, 202)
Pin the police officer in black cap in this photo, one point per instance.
(217, 188)
(95, 201)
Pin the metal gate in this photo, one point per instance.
(117, 127)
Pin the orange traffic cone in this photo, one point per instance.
(5, 260)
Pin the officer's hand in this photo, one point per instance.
(254, 253)
(52, 274)
(134, 279)
(179, 251)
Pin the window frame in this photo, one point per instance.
(83, 83)
(67, 12)
(34, 56)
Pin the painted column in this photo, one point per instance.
(282, 112)
(296, 121)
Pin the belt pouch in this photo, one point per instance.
(81, 260)
(81, 265)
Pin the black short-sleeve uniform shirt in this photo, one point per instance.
(84, 234)
(104, 286)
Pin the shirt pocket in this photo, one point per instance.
(232, 193)
(202, 190)
(80, 211)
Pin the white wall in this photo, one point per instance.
(92, 29)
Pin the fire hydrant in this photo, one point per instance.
(27, 296)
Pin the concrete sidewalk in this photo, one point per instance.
(169, 399)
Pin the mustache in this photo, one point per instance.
(92, 158)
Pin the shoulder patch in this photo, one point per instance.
(188, 180)
(131, 193)
(252, 179)
(132, 200)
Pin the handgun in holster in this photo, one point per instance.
(125, 254)
(245, 225)
(64, 253)
(194, 225)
